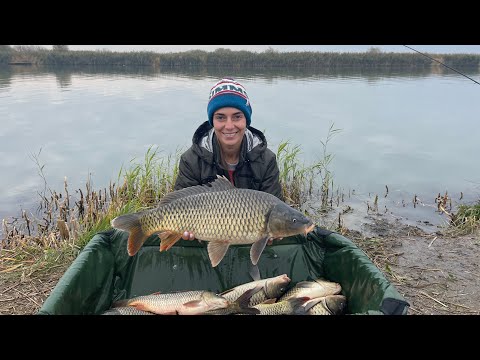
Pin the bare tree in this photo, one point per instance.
(374, 50)
(271, 50)
(60, 47)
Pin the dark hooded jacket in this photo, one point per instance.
(257, 167)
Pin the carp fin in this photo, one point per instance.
(298, 305)
(311, 303)
(168, 239)
(193, 304)
(219, 184)
(217, 251)
(131, 223)
(255, 273)
(256, 249)
(244, 300)
(140, 306)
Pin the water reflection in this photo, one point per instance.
(6, 74)
(64, 77)
(64, 74)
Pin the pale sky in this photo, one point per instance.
(445, 49)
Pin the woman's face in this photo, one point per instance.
(229, 124)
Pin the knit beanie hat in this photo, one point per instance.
(229, 93)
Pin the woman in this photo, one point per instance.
(227, 145)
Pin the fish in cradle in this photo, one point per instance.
(219, 213)
(292, 306)
(185, 303)
(126, 310)
(260, 297)
(181, 302)
(240, 306)
(271, 288)
(327, 305)
(313, 289)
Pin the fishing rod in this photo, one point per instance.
(468, 77)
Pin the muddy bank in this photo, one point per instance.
(438, 274)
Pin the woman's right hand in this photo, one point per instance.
(188, 236)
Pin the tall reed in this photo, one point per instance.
(65, 222)
(299, 180)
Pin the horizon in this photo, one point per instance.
(439, 49)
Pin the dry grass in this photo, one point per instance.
(25, 295)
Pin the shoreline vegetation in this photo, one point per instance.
(65, 221)
(226, 58)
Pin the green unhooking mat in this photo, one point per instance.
(104, 272)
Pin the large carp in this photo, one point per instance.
(219, 213)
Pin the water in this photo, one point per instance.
(413, 131)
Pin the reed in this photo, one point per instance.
(466, 220)
(302, 183)
(65, 222)
(229, 58)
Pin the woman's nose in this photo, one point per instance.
(229, 122)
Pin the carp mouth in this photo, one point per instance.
(309, 228)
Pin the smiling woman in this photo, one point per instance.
(227, 145)
(229, 111)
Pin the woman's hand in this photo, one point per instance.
(188, 236)
(270, 242)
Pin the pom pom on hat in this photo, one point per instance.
(229, 93)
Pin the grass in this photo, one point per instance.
(466, 220)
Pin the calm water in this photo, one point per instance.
(416, 132)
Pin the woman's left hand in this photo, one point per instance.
(270, 242)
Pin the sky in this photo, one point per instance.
(443, 49)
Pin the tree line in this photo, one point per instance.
(61, 55)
